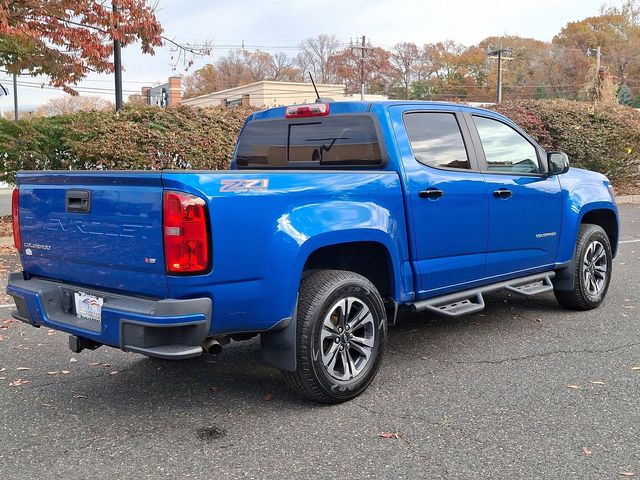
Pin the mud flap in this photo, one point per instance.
(564, 279)
(278, 346)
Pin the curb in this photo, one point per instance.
(628, 199)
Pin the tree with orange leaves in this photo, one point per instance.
(67, 39)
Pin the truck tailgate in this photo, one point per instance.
(101, 229)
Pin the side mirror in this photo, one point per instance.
(557, 163)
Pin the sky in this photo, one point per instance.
(280, 25)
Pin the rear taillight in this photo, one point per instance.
(186, 237)
(15, 218)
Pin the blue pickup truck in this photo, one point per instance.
(333, 218)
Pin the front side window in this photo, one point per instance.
(505, 150)
(349, 140)
(436, 140)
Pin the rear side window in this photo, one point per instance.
(436, 140)
(349, 140)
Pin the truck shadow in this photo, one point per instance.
(235, 378)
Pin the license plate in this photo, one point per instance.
(88, 306)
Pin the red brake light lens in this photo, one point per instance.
(309, 110)
(15, 218)
(186, 234)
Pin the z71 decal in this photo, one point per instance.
(239, 186)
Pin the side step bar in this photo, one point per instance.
(472, 301)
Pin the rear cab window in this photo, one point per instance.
(436, 140)
(317, 142)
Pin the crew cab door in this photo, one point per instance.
(445, 197)
(524, 203)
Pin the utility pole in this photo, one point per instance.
(117, 65)
(15, 97)
(362, 50)
(499, 54)
(598, 57)
(362, 71)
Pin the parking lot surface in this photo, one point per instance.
(523, 389)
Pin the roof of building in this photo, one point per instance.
(264, 83)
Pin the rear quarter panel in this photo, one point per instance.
(263, 234)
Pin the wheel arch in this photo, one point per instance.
(371, 259)
(339, 250)
(605, 216)
(608, 220)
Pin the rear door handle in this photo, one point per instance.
(431, 193)
(503, 193)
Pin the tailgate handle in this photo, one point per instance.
(78, 201)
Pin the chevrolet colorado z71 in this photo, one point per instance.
(333, 217)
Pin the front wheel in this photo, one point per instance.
(340, 336)
(592, 270)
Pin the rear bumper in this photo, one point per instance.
(169, 328)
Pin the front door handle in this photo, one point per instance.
(431, 193)
(503, 193)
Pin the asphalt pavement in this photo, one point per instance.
(523, 389)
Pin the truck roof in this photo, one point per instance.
(357, 107)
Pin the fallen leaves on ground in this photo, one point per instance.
(72, 360)
(80, 396)
(635, 368)
(20, 369)
(268, 397)
(99, 364)
(113, 373)
(596, 382)
(18, 382)
(6, 226)
(627, 474)
(586, 451)
(389, 435)
(575, 387)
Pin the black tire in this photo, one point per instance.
(590, 283)
(322, 296)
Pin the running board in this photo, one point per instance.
(472, 301)
(533, 288)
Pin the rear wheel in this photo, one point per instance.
(592, 270)
(340, 336)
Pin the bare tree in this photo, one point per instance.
(257, 65)
(405, 57)
(232, 70)
(74, 103)
(314, 56)
(283, 69)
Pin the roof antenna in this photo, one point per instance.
(315, 88)
(318, 99)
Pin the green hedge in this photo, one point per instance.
(139, 138)
(602, 139)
